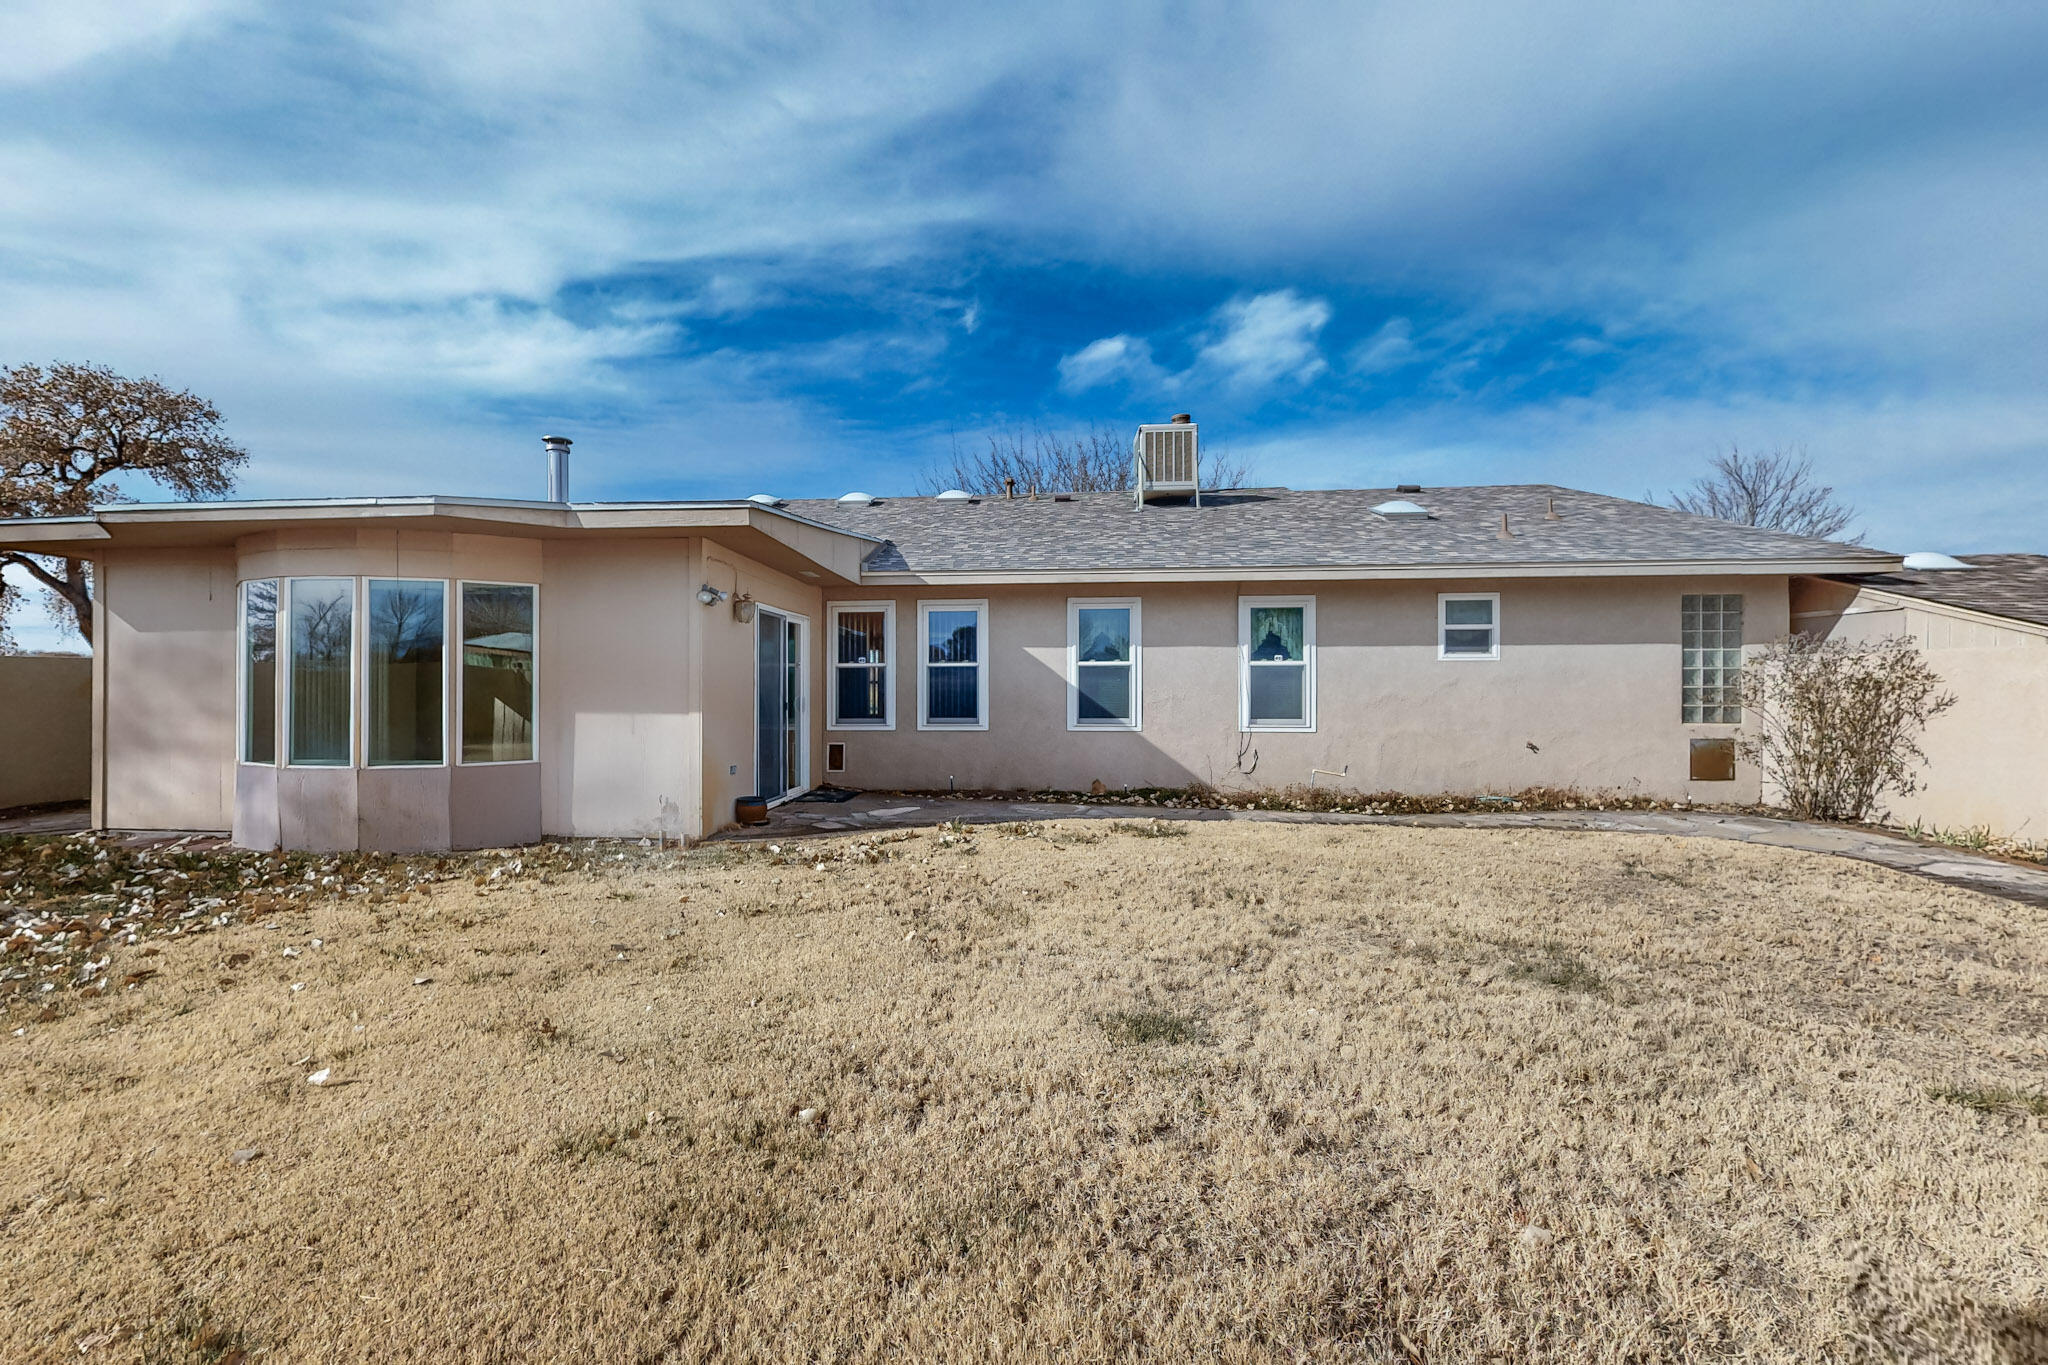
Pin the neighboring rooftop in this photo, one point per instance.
(2012, 585)
(1278, 528)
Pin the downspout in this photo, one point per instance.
(98, 817)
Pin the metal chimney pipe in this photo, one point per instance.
(558, 467)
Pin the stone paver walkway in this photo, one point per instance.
(2015, 881)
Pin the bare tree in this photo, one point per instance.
(67, 431)
(1095, 460)
(1835, 725)
(1777, 490)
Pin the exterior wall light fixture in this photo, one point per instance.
(743, 609)
(709, 595)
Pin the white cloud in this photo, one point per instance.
(1110, 360)
(1247, 345)
(1265, 340)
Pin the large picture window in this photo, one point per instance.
(1103, 691)
(322, 615)
(1276, 651)
(862, 636)
(1710, 639)
(259, 671)
(497, 672)
(952, 665)
(406, 627)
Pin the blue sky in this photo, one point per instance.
(804, 250)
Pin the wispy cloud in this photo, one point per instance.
(1247, 346)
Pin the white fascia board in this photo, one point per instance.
(1338, 573)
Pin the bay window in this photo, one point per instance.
(259, 671)
(497, 672)
(1103, 652)
(406, 625)
(952, 665)
(1276, 639)
(862, 636)
(318, 710)
(377, 693)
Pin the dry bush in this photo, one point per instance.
(1835, 725)
(1262, 1092)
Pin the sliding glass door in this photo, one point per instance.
(781, 743)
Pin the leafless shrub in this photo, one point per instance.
(1835, 725)
(1095, 460)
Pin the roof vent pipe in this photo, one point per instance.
(1550, 509)
(1504, 533)
(558, 467)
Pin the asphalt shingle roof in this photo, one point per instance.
(2002, 585)
(1278, 528)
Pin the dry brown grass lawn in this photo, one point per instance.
(1052, 1092)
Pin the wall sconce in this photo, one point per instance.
(743, 609)
(709, 595)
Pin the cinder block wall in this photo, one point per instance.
(45, 729)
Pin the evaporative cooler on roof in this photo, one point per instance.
(1167, 461)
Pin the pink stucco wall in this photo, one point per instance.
(1585, 693)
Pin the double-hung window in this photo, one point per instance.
(1468, 625)
(1276, 646)
(319, 715)
(259, 671)
(1103, 663)
(862, 636)
(1710, 641)
(952, 665)
(497, 672)
(404, 706)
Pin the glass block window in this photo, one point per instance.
(1710, 642)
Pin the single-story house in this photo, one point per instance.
(426, 672)
(1982, 622)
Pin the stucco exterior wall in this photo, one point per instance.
(1585, 693)
(1987, 757)
(617, 732)
(727, 680)
(45, 729)
(167, 640)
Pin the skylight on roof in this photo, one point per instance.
(1401, 507)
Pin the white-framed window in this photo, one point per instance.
(1276, 671)
(256, 699)
(862, 638)
(405, 672)
(500, 678)
(1104, 663)
(319, 709)
(1468, 625)
(952, 665)
(1710, 645)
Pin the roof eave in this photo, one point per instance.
(1364, 572)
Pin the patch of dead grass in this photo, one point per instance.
(1457, 1095)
